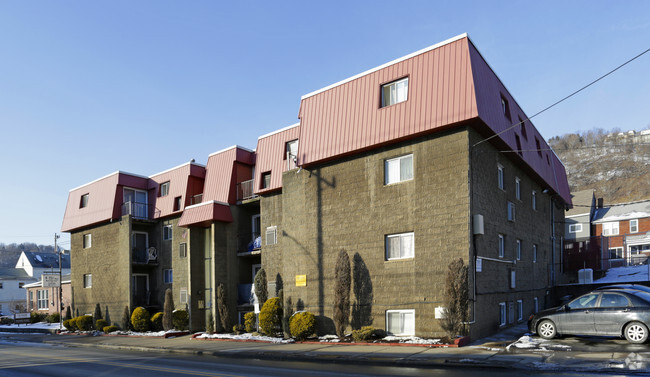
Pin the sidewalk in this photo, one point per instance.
(504, 350)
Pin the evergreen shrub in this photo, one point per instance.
(70, 325)
(180, 319)
(140, 319)
(100, 324)
(367, 333)
(249, 321)
(302, 325)
(271, 317)
(110, 329)
(84, 323)
(157, 321)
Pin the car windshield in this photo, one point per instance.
(586, 301)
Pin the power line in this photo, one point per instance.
(565, 98)
(575, 148)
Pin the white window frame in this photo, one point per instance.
(164, 189)
(42, 299)
(511, 212)
(520, 310)
(517, 188)
(168, 231)
(575, 228)
(394, 97)
(406, 329)
(617, 250)
(183, 296)
(534, 253)
(500, 177)
(88, 280)
(502, 245)
(87, 240)
(182, 250)
(513, 279)
(168, 276)
(518, 246)
(396, 163)
(404, 253)
(271, 235)
(611, 228)
(634, 226)
(503, 315)
(534, 200)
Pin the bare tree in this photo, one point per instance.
(456, 299)
(342, 284)
(168, 309)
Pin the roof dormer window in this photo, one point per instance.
(394, 92)
(83, 203)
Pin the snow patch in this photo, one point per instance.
(410, 340)
(530, 343)
(247, 336)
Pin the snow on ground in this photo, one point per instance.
(410, 340)
(625, 274)
(536, 344)
(247, 336)
(40, 325)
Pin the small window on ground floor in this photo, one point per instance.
(42, 297)
(168, 276)
(88, 281)
(400, 322)
(399, 246)
(520, 310)
(502, 314)
(183, 296)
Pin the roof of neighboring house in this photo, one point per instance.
(47, 260)
(9, 273)
(623, 211)
(582, 203)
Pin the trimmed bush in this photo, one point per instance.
(140, 319)
(84, 323)
(70, 325)
(302, 325)
(367, 333)
(249, 321)
(100, 324)
(180, 319)
(110, 329)
(271, 317)
(53, 318)
(238, 329)
(157, 321)
(35, 317)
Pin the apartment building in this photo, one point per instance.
(406, 167)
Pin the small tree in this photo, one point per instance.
(456, 299)
(342, 284)
(261, 291)
(98, 314)
(126, 319)
(288, 312)
(209, 328)
(222, 303)
(68, 313)
(168, 310)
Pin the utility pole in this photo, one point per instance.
(56, 236)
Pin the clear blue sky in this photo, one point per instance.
(91, 87)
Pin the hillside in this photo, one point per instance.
(616, 165)
(10, 253)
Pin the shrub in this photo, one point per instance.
(180, 319)
(302, 325)
(84, 322)
(140, 319)
(68, 313)
(70, 325)
(53, 318)
(98, 313)
(367, 333)
(456, 298)
(35, 317)
(126, 319)
(238, 329)
(261, 290)
(100, 324)
(249, 321)
(110, 329)
(157, 321)
(222, 304)
(168, 309)
(342, 284)
(271, 317)
(209, 328)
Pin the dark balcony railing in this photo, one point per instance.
(138, 210)
(245, 190)
(196, 199)
(247, 243)
(245, 295)
(144, 255)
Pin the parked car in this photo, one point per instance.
(603, 312)
(625, 286)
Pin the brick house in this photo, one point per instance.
(46, 300)
(393, 165)
(626, 228)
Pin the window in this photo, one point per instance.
(505, 107)
(400, 322)
(612, 300)
(534, 253)
(183, 298)
(398, 169)
(634, 226)
(523, 128)
(291, 154)
(520, 310)
(168, 276)
(399, 246)
(518, 188)
(394, 92)
(535, 305)
(615, 253)
(511, 211)
(88, 280)
(182, 250)
(538, 146)
(518, 141)
(178, 203)
(21, 284)
(42, 300)
(84, 201)
(271, 235)
(136, 203)
(575, 228)
(513, 279)
(500, 177)
(87, 241)
(588, 301)
(502, 245)
(266, 180)
(164, 189)
(518, 249)
(502, 314)
(534, 195)
(610, 229)
(167, 232)
(0, 285)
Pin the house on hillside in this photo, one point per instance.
(626, 228)
(405, 167)
(36, 263)
(12, 290)
(577, 226)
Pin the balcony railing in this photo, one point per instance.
(245, 190)
(141, 255)
(249, 242)
(139, 210)
(196, 199)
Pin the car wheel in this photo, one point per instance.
(636, 332)
(546, 329)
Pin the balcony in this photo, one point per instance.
(137, 210)
(244, 294)
(146, 256)
(245, 190)
(249, 244)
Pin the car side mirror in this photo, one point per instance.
(566, 308)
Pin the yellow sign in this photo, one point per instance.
(301, 280)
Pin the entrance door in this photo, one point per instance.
(140, 287)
